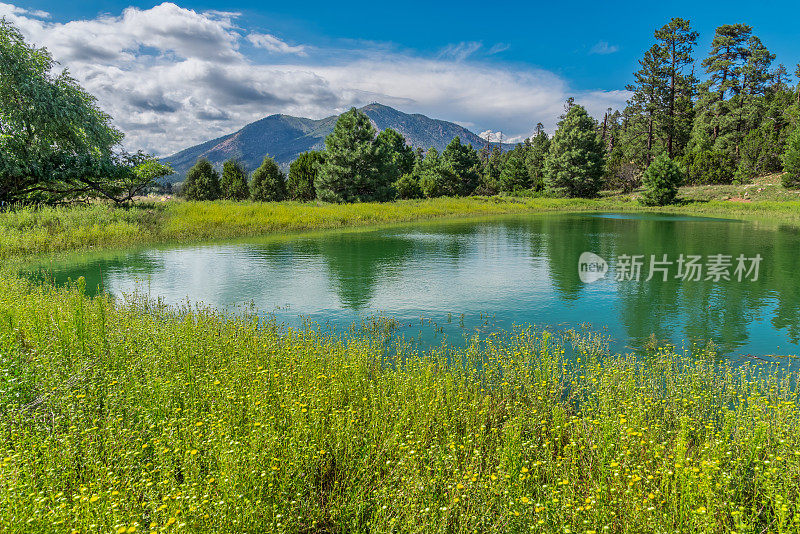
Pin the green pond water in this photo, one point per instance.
(456, 279)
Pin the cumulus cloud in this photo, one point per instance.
(173, 77)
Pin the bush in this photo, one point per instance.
(711, 167)
(791, 161)
(268, 183)
(759, 154)
(407, 186)
(661, 181)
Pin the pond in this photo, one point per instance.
(732, 283)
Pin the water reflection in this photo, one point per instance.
(520, 270)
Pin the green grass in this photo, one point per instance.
(124, 417)
(45, 230)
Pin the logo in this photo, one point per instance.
(591, 267)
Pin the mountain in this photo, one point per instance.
(284, 137)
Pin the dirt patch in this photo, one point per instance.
(739, 199)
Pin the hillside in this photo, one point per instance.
(284, 137)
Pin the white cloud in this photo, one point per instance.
(603, 48)
(273, 44)
(173, 77)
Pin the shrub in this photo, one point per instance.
(661, 181)
(711, 167)
(407, 186)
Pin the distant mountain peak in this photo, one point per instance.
(284, 137)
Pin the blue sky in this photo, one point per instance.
(488, 66)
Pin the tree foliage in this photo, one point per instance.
(202, 182)
(56, 145)
(396, 157)
(791, 161)
(233, 184)
(661, 181)
(515, 177)
(268, 183)
(302, 175)
(464, 162)
(352, 167)
(574, 165)
(407, 186)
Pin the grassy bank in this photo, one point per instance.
(34, 231)
(131, 417)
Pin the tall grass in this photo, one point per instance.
(130, 416)
(43, 230)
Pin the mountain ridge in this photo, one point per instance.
(284, 137)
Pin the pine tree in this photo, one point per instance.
(268, 183)
(351, 171)
(302, 174)
(574, 165)
(465, 163)
(678, 41)
(514, 177)
(661, 181)
(396, 157)
(791, 161)
(202, 182)
(646, 107)
(737, 67)
(535, 155)
(436, 177)
(233, 183)
(493, 161)
(407, 186)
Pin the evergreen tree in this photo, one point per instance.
(493, 161)
(791, 161)
(351, 170)
(268, 183)
(202, 182)
(534, 158)
(233, 183)
(437, 177)
(514, 177)
(574, 165)
(646, 107)
(678, 40)
(465, 163)
(407, 186)
(797, 89)
(302, 175)
(661, 181)
(396, 157)
(729, 103)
